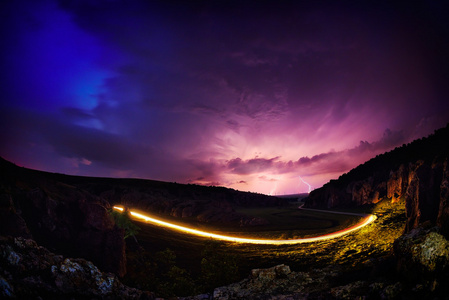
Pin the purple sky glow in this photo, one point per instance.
(261, 96)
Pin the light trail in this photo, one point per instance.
(144, 218)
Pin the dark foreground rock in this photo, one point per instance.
(280, 282)
(419, 269)
(28, 271)
(423, 257)
(65, 220)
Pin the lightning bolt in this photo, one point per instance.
(310, 187)
(273, 190)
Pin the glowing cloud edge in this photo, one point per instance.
(146, 219)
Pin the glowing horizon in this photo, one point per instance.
(144, 218)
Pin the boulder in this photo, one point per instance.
(30, 271)
(422, 254)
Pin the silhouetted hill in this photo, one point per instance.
(69, 214)
(417, 172)
(205, 203)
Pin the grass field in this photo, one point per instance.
(291, 222)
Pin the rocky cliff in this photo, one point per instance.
(65, 220)
(417, 172)
(29, 271)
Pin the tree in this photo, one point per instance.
(123, 221)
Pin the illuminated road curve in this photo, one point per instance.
(144, 218)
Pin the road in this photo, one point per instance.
(334, 212)
(141, 217)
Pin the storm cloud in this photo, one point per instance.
(246, 95)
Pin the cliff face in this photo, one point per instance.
(59, 216)
(72, 223)
(417, 172)
(422, 194)
(425, 188)
(443, 210)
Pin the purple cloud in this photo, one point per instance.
(227, 93)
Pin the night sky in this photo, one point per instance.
(269, 97)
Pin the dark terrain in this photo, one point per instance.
(417, 172)
(407, 189)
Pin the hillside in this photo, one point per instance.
(69, 214)
(417, 172)
(205, 203)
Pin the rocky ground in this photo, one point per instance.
(418, 269)
(29, 271)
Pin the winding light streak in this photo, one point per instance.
(144, 218)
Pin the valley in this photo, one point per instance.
(65, 230)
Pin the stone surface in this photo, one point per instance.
(424, 186)
(443, 211)
(422, 252)
(362, 191)
(74, 223)
(417, 173)
(28, 271)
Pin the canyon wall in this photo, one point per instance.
(417, 173)
(424, 187)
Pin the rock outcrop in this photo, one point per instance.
(443, 210)
(423, 186)
(417, 172)
(68, 221)
(29, 271)
(422, 252)
(59, 216)
(422, 194)
(278, 282)
(333, 282)
(423, 259)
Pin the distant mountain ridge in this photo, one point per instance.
(417, 172)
